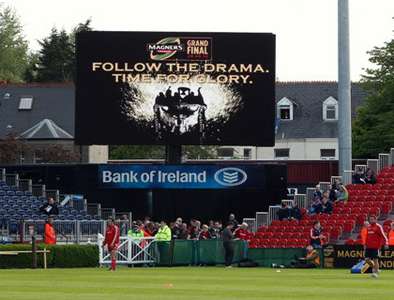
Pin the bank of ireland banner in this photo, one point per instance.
(180, 177)
(175, 88)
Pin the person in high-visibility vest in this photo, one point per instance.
(135, 232)
(49, 232)
(164, 233)
(391, 235)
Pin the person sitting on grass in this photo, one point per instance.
(311, 259)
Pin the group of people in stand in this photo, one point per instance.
(364, 177)
(323, 202)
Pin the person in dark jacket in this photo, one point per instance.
(50, 208)
(295, 212)
(327, 207)
(228, 237)
(283, 212)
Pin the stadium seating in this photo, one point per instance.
(347, 218)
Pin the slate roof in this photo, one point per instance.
(50, 101)
(56, 102)
(308, 98)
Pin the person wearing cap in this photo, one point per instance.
(49, 232)
(112, 235)
(376, 238)
(242, 232)
(228, 237)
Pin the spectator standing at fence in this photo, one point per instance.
(183, 234)
(111, 240)
(176, 229)
(49, 232)
(216, 230)
(242, 232)
(194, 229)
(50, 207)
(204, 233)
(228, 237)
(164, 233)
(135, 232)
(316, 235)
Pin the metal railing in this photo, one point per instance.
(373, 165)
(309, 196)
(130, 251)
(324, 186)
(392, 156)
(26, 185)
(12, 180)
(2, 174)
(261, 219)
(384, 161)
(108, 212)
(94, 209)
(38, 190)
(272, 210)
(300, 199)
(251, 223)
(347, 177)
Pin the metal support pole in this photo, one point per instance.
(344, 90)
(34, 251)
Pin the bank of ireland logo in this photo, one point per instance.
(230, 176)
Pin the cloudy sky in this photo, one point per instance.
(306, 30)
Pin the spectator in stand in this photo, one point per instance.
(295, 212)
(50, 208)
(311, 259)
(164, 233)
(343, 194)
(216, 230)
(231, 219)
(242, 232)
(317, 193)
(204, 233)
(358, 177)
(327, 207)
(316, 235)
(135, 232)
(333, 193)
(49, 232)
(194, 229)
(283, 213)
(391, 235)
(370, 177)
(316, 207)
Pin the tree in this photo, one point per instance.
(373, 129)
(13, 47)
(11, 148)
(200, 152)
(56, 61)
(57, 154)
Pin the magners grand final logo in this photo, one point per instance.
(181, 49)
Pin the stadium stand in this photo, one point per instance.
(346, 220)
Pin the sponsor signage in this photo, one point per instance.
(344, 256)
(180, 176)
(178, 88)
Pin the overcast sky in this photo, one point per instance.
(306, 30)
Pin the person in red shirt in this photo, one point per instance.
(242, 232)
(111, 240)
(204, 233)
(376, 238)
(49, 232)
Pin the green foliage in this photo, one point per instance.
(373, 129)
(56, 62)
(13, 46)
(137, 152)
(60, 256)
(158, 152)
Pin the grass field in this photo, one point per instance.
(193, 283)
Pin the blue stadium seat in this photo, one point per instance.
(28, 193)
(10, 193)
(19, 193)
(2, 193)
(5, 188)
(42, 199)
(33, 198)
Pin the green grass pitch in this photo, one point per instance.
(193, 283)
